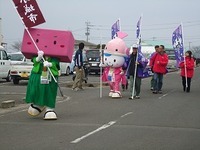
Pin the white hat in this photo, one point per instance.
(135, 46)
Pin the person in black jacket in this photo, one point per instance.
(78, 59)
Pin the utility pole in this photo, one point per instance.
(1, 36)
(190, 45)
(87, 30)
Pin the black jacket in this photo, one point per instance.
(78, 59)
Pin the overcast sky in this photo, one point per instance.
(160, 18)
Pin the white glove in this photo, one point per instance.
(59, 72)
(47, 64)
(40, 55)
(122, 72)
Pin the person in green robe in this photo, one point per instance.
(42, 89)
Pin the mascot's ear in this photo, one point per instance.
(121, 35)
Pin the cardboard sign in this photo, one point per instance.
(54, 43)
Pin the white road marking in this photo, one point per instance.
(93, 132)
(109, 124)
(12, 93)
(163, 96)
(64, 99)
(126, 114)
(166, 94)
(22, 110)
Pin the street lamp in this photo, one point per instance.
(189, 45)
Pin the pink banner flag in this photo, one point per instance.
(29, 12)
(121, 35)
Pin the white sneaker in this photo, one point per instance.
(50, 114)
(110, 94)
(137, 97)
(116, 95)
(35, 110)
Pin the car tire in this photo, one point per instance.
(8, 79)
(67, 71)
(15, 81)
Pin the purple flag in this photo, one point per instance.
(138, 35)
(146, 72)
(177, 42)
(114, 29)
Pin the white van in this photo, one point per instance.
(4, 65)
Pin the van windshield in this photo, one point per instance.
(171, 57)
(92, 53)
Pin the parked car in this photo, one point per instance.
(65, 68)
(172, 62)
(16, 58)
(72, 64)
(5, 65)
(20, 67)
(93, 58)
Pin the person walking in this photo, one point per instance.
(132, 63)
(152, 78)
(159, 64)
(187, 71)
(78, 59)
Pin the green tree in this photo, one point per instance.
(196, 51)
(16, 46)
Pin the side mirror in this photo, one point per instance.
(8, 57)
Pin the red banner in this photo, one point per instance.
(29, 12)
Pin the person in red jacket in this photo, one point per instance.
(152, 79)
(159, 63)
(187, 70)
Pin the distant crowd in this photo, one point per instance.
(158, 64)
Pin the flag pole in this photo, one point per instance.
(120, 29)
(135, 72)
(184, 57)
(37, 48)
(134, 78)
(101, 70)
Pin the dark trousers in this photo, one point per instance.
(152, 81)
(184, 83)
(158, 81)
(137, 85)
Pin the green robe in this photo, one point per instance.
(42, 94)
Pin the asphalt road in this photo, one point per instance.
(168, 121)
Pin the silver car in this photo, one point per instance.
(172, 64)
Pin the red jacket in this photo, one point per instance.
(159, 63)
(189, 67)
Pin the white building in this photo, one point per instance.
(148, 47)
